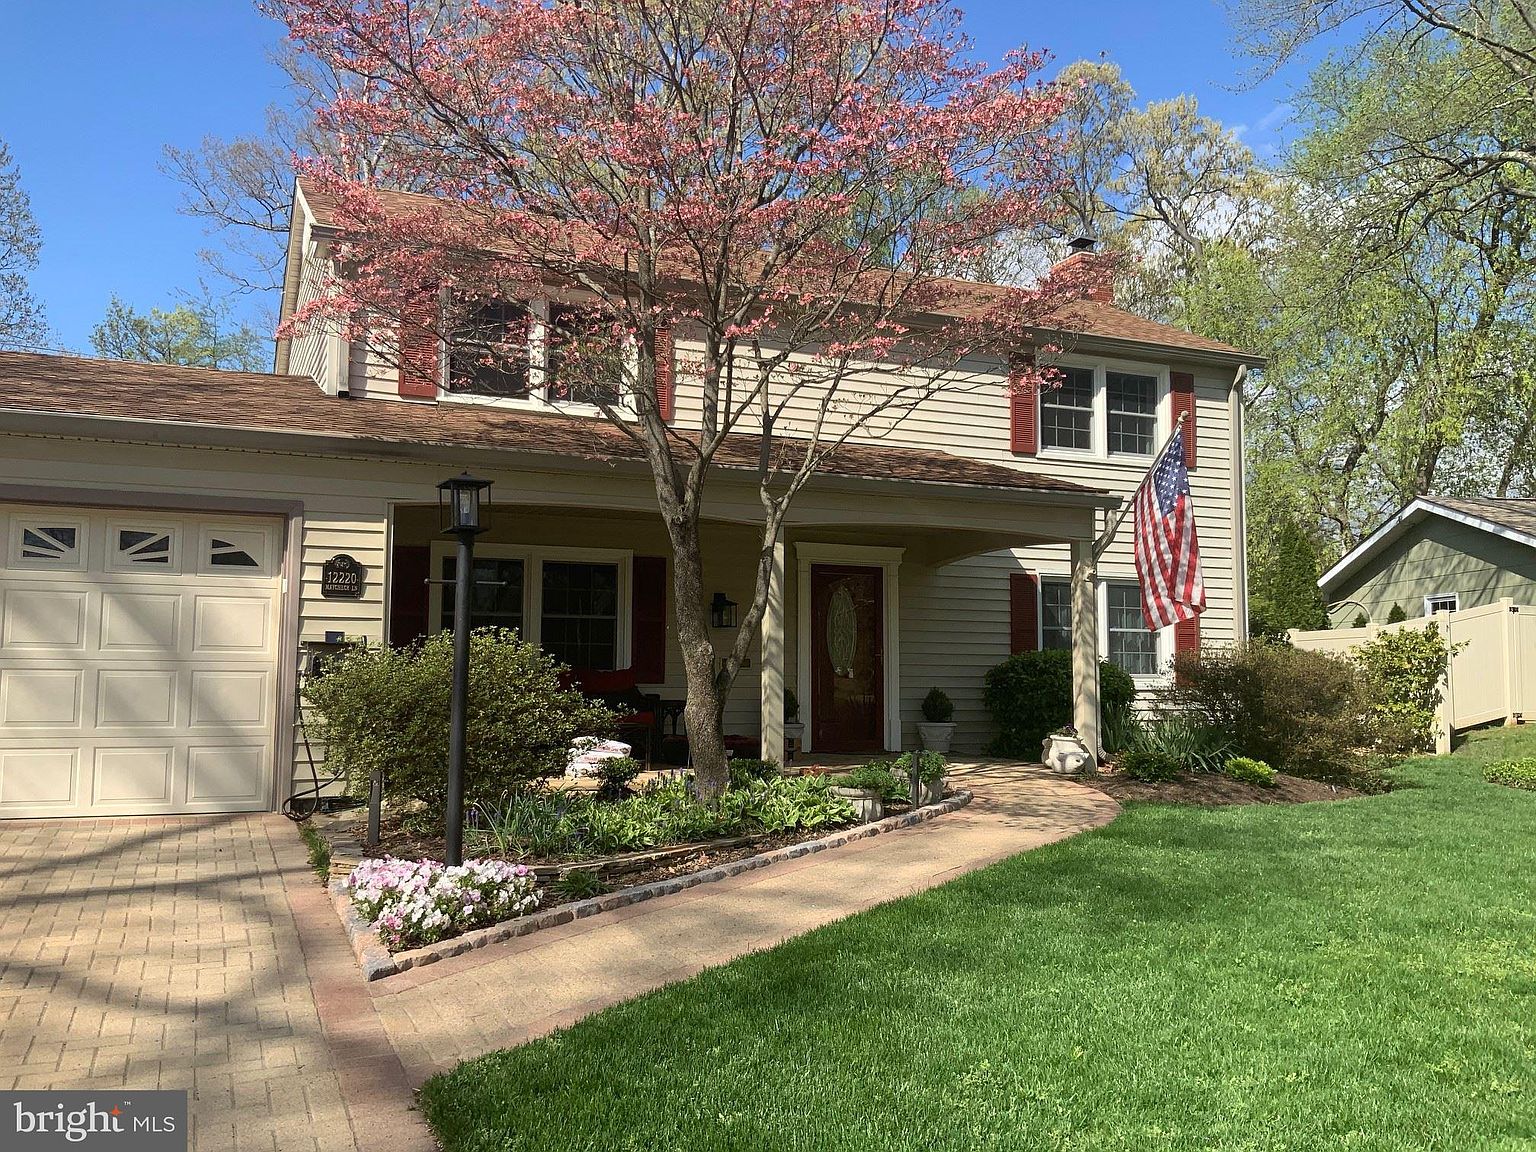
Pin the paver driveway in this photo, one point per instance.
(199, 953)
(166, 953)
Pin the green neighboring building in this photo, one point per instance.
(1438, 555)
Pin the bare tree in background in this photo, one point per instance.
(22, 324)
(242, 188)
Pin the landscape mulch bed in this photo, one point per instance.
(623, 871)
(1213, 791)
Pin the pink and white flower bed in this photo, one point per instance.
(416, 902)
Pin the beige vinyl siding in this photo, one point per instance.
(308, 352)
(1434, 557)
(373, 366)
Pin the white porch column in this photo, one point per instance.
(1085, 647)
(772, 669)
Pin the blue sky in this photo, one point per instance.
(90, 93)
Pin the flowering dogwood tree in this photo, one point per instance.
(769, 198)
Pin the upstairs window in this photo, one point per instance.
(1132, 402)
(489, 352)
(582, 361)
(1066, 411)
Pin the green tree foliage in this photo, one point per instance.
(1403, 671)
(1283, 588)
(1396, 615)
(21, 316)
(195, 333)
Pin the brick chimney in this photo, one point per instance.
(1082, 257)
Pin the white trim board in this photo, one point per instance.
(1408, 516)
(888, 560)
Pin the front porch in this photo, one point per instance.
(877, 596)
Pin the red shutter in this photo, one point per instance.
(420, 360)
(1186, 635)
(666, 383)
(648, 594)
(1024, 432)
(1023, 612)
(1183, 387)
(410, 567)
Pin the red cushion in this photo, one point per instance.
(639, 720)
(598, 683)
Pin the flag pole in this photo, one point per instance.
(1117, 517)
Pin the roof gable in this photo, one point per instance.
(1510, 519)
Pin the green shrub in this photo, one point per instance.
(876, 776)
(1513, 773)
(1250, 771)
(938, 708)
(561, 824)
(1149, 765)
(928, 765)
(744, 770)
(1298, 710)
(388, 708)
(1403, 671)
(615, 776)
(1030, 695)
(1396, 615)
(1187, 740)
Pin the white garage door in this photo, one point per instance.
(138, 662)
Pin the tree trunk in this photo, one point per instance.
(704, 710)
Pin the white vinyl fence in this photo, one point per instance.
(1492, 674)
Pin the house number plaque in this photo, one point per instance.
(341, 578)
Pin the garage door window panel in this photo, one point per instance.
(139, 547)
(53, 544)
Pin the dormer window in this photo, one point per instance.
(582, 360)
(489, 352)
(543, 352)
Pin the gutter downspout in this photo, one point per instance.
(1239, 507)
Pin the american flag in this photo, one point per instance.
(1167, 551)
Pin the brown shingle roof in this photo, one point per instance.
(1517, 515)
(207, 397)
(1084, 318)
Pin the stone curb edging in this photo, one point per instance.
(377, 962)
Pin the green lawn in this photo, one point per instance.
(1359, 974)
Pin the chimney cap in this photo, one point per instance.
(1082, 243)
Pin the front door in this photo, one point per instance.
(847, 658)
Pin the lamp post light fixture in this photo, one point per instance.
(459, 507)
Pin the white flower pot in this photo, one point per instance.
(936, 737)
(1066, 755)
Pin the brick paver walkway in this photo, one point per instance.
(508, 993)
(185, 953)
(199, 953)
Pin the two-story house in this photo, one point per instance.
(172, 535)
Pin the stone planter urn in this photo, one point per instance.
(867, 806)
(1066, 755)
(936, 737)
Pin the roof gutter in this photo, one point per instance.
(192, 434)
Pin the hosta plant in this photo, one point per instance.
(416, 902)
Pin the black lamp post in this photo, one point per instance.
(458, 502)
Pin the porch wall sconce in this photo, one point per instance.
(722, 611)
(458, 502)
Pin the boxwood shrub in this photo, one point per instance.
(1030, 695)
(388, 708)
